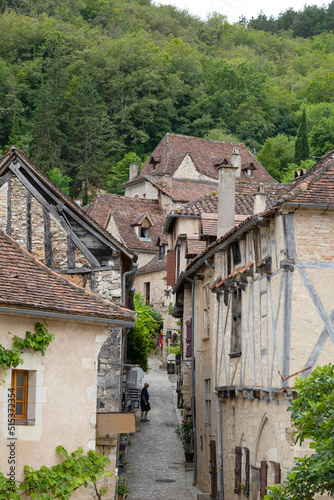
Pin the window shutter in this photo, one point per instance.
(188, 325)
(264, 468)
(247, 469)
(170, 268)
(277, 473)
(237, 470)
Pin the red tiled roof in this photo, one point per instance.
(126, 212)
(27, 283)
(194, 245)
(209, 224)
(205, 154)
(244, 200)
(100, 209)
(184, 190)
(316, 186)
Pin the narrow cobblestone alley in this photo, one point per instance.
(156, 465)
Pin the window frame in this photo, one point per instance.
(21, 419)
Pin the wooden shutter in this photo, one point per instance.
(247, 469)
(237, 470)
(277, 473)
(264, 469)
(189, 338)
(171, 268)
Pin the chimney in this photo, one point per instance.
(133, 171)
(260, 199)
(226, 198)
(236, 161)
(166, 181)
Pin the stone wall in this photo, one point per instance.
(188, 170)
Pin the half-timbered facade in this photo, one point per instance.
(259, 307)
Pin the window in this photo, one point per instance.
(144, 232)
(235, 348)
(207, 411)
(20, 386)
(147, 293)
(162, 251)
(206, 313)
(236, 253)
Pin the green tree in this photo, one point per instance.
(313, 417)
(276, 155)
(302, 151)
(140, 338)
(59, 179)
(119, 173)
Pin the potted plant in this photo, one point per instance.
(122, 489)
(185, 433)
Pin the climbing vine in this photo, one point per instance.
(38, 341)
(59, 481)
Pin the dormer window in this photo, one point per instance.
(154, 160)
(249, 169)
(142, 224)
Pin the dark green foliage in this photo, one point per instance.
(119, 173)
(302, 151)
(84, 83)
(313, 418)
(140, 338)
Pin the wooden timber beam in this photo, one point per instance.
(52, 209)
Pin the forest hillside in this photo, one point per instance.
(86, 86)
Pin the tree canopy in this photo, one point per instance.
(84, 83)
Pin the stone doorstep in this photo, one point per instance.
(203, 496)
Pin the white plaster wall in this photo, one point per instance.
(65, 393)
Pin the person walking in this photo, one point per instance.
(144, 403)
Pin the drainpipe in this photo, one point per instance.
(125, 275)
(193, 406)
(219, 426)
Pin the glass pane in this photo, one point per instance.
(19, 394)
(19, 409)
(19, 379)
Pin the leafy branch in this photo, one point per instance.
(38, 341)
(59, 481)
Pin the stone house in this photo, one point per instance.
(51, 226)
(138, 224)
(181, 167)
(55, 394)
(257, 307)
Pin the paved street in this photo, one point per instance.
(156, 466)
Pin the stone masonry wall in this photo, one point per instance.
(19, 211)
(3, 206)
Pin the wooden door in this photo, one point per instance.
(213, 470)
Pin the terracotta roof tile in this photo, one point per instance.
(194, 245)
(126, 213)
(316, 186)
(27, 283)
(205, 153)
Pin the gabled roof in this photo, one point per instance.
(126, 213)
(16, 162)
(28, 284)
(171, 150)
(100, 208)
(314, 189)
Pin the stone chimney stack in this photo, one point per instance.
(260, 199)
(133, 171)
(226, 198)
(236, 161)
